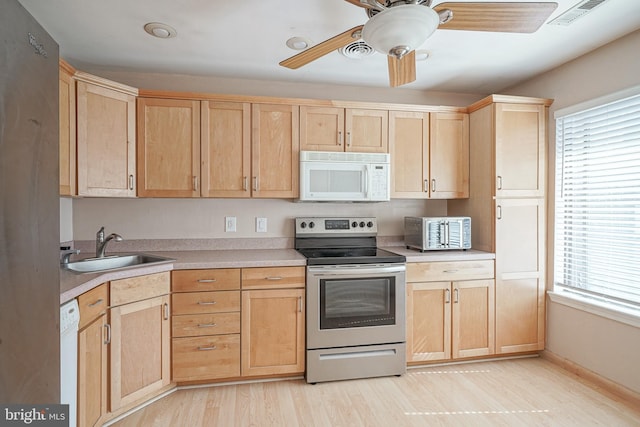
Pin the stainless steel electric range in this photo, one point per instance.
(355, 300)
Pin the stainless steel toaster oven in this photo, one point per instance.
(437, 233)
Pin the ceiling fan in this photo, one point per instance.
(397, 27)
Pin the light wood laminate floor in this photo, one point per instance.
(518, 392)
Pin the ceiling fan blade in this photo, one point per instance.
(403, 70)
(495, 16)
(361, 4)
(321, 49)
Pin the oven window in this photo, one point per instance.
(353, 303)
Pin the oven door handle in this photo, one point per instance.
(356, 271)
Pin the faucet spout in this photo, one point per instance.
(101, 241)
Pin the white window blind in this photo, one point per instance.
(597, 210)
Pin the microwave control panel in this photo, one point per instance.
(379, 182)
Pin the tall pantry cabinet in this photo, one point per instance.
(507, 204)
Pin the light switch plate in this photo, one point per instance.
(229, 223)
(261, 225)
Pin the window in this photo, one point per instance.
(597, 211)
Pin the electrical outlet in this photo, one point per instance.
(229, 223)
(261, 225)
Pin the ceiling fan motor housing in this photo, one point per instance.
(400, 29)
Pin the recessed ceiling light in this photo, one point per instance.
(422, 55)
(299, 43)
(160, 30)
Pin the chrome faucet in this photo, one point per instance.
(101, 241)
(65, 255)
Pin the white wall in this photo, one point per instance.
(220, 85)
(609, 348)
(204, 218)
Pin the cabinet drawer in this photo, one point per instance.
(203, 358)
(124, 291)
(205, 280)
(92, 304)
(193, 325)
(273, 277)
(449, 271)
(205, 302)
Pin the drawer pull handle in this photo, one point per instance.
(207, 302)
(97, 302)
(451, 271)
(206, 325)
(206, 348)
(273, 278)
(207, 280)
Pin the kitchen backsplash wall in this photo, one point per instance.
(205, 218)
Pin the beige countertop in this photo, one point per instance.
(414, 255)
(74, 284)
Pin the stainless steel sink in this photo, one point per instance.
(113, 262)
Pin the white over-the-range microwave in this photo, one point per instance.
(344, 177)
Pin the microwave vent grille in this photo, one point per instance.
(330, 156)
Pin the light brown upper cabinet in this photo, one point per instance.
(520, 137)
(429, 155)
(106, 138)
(168, 148)
(344, 129)
(226, 149)
(67, 99)
(275, 150)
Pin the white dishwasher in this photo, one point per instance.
(69, 320)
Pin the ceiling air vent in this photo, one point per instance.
(577, 11)
(357, 50)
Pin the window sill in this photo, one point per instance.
(628, 316)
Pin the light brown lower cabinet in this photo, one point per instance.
(450, 319)
(205, 326)
(273, 332)
(92, 372)
(93, 343)
(139, 356)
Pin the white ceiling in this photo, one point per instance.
(246, 39)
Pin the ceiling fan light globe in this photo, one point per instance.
(407, 26)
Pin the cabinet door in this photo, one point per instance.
(226, 149)
(473, 318)
(428, 321)
(367, 130)
(409, 146)
(321, 128)
(140, 350)
(106, 121)
(520, 138)
(92, 372)
(449, 156)
(168, 148)
(275, 151)
(272, 332)
(520, 252)
(67, 99)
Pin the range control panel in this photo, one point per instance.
(333, 226)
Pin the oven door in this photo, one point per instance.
(351, 305)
